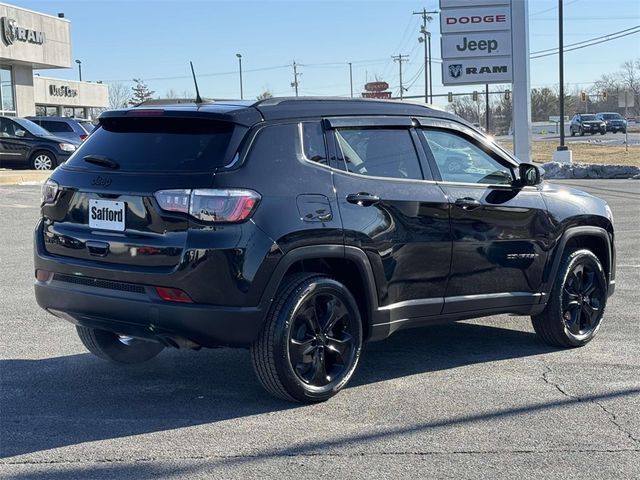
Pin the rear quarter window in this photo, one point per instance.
(56, 127)
(158, 144)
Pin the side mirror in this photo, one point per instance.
(530, 175)
(20, 133)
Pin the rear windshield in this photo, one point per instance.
(157, 144)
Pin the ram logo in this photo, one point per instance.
(455, 70)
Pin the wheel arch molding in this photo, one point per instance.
(337, 261)
(596, 239)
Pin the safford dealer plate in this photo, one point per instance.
(106, 215)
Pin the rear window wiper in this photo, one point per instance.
(102, 161)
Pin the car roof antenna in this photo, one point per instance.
(198, 97)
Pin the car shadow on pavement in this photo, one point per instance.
(69, 400)
(441, 347)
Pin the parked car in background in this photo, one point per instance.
(582, 123)
(63, 127)
(86, 124)
(24, 143)
(614, 121)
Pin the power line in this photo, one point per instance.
(586, 41)
(608, 39)
(550, 9)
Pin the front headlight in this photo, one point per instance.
(67, 147)
(48, 192)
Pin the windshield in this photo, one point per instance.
(611, 116)
(588, 118)
(158, 144)
(31, 127)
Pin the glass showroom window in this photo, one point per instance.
(7, 101)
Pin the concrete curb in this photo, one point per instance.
(14, 177)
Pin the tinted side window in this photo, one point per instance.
(56, 126)
(275, 144)
(7, 128)
(379, 152)
(312, 139)
(461, 160)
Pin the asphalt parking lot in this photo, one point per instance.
(478, 399)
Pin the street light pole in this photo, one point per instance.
(561, 69)
(240, 70)
(79, 69)
(351, 78)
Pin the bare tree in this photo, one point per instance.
(119, 95)
(627, 78)
(264, 95)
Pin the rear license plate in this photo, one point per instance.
(106, 215)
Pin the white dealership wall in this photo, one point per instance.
(54, 52)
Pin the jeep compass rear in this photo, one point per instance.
(301, 228)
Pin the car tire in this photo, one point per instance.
(43, 160)
(575, 310)
(573, 133)
(602, 133)
(117, 348)
(311, 342)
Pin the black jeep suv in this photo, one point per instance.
(301, 228)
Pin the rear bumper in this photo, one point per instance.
(139, 314)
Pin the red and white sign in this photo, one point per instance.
(376, 86)
(478, 19)
(376, 95)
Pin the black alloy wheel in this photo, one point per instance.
(575, 310)
(321, 339)
(583, 299)
(310, 345)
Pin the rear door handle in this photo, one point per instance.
(468, 203)
(363, 199)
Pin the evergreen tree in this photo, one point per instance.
(140, 92)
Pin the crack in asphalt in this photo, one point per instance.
(613, 418)
(319, 454)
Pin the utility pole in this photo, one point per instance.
(426, 39)
(294, 84)
(486, 107)
(351, 79)
(400, 59)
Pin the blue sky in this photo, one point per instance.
(155, 39)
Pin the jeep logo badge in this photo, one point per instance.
(101, 181)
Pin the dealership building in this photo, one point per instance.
(35, 41)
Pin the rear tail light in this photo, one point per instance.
(210, 205)
(83, 136)
(173, 295)
(48, 192)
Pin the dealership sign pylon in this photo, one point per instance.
(487, 41)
